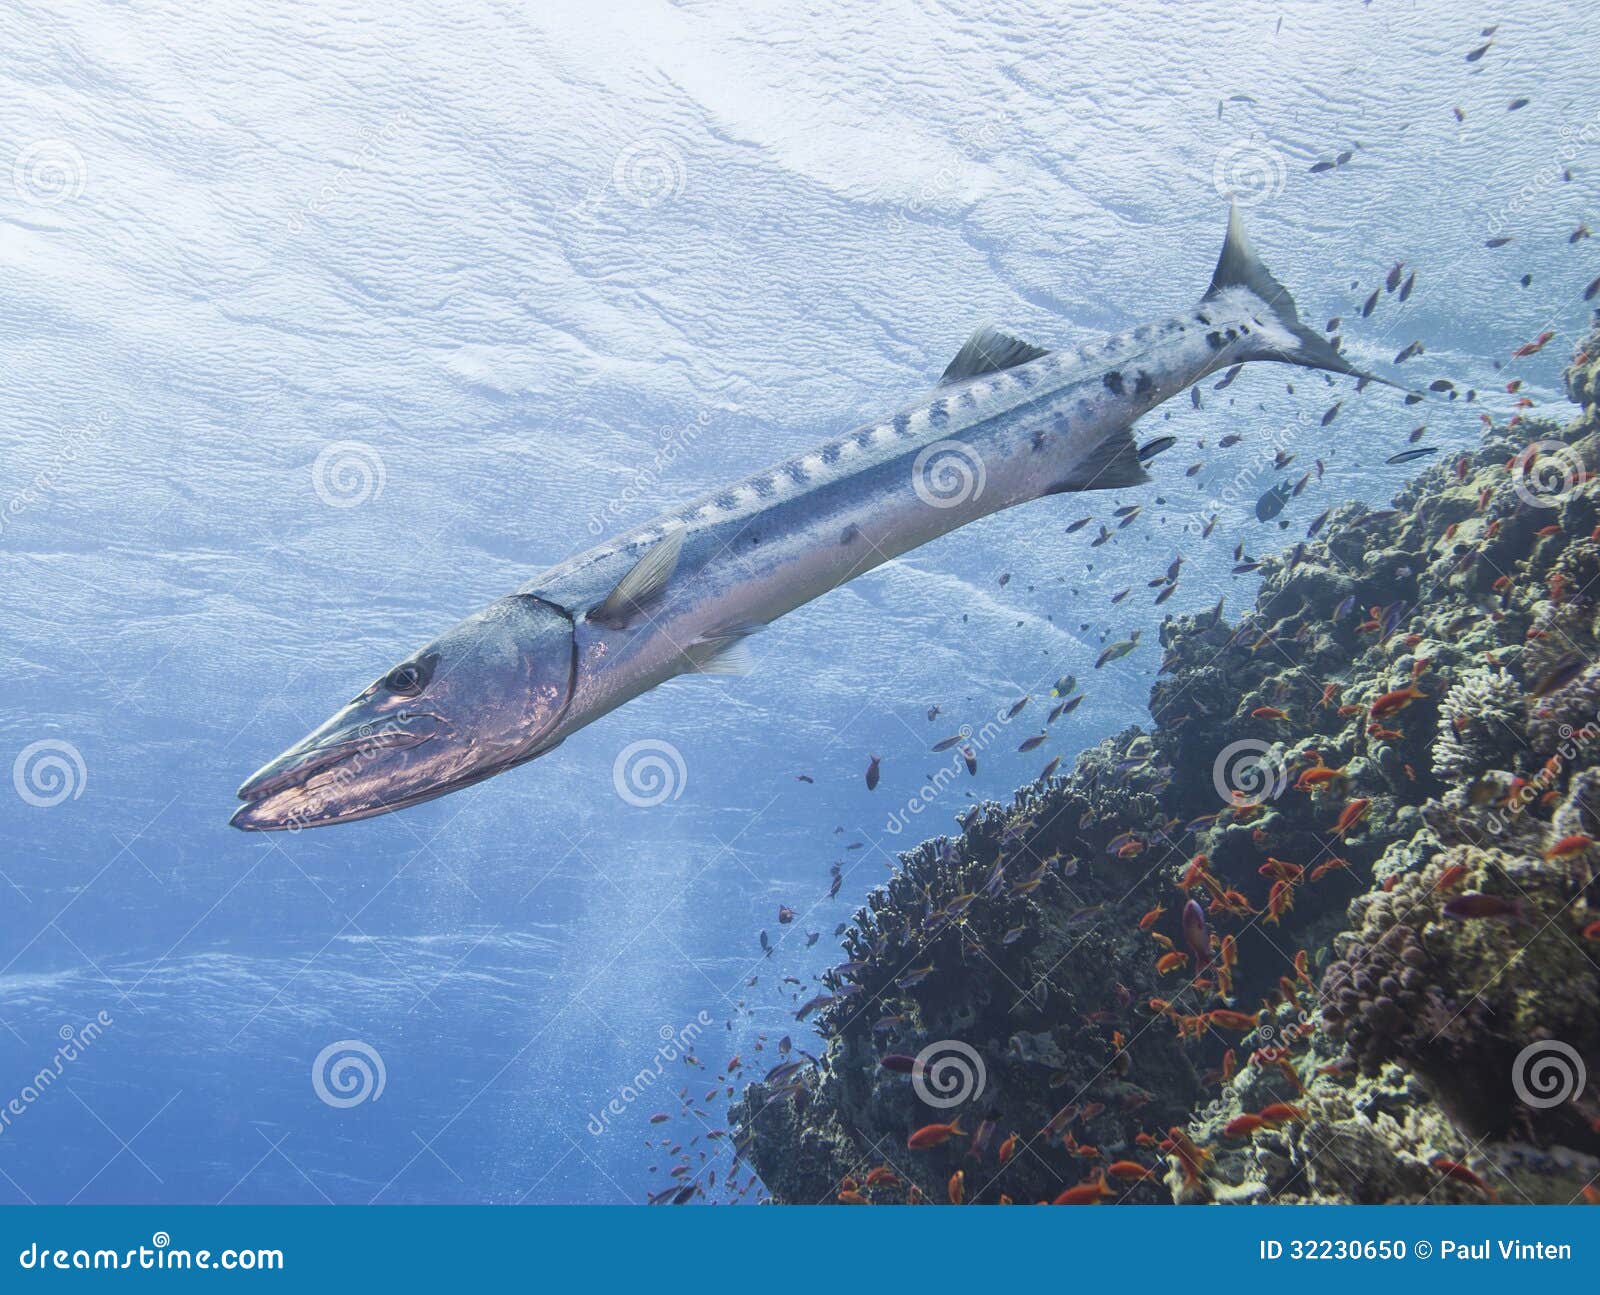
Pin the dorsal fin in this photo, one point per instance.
(645, 579)
(989, 350)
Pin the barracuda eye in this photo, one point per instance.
(411, 677)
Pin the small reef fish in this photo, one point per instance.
(935, 1135)
(1196, 934)
(1474, 906)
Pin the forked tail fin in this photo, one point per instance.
(1240, 267)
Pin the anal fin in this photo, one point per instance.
(1114, 465)
(723, 652)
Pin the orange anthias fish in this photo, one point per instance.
(1353, 813)
(1191, 1158)
(1317, 777)
(958, 1187)
(934, 1135)
(1230, 1020)
(1089, 1193)
(1268, 712)
(1280, 899)
(1534, 347)
(1569, 847)
(1461, 1174)
(1008, 1148)
(1242, 1126)
(1130, 1170)
(1195, 873)
(1327, 866)
(1281, 870)
(1397, 700)
(1281, 1113)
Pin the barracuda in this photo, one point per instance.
(1008, 422)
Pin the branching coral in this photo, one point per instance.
(1480, 723)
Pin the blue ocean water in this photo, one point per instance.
(326, 326)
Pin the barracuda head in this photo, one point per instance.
(482, 697)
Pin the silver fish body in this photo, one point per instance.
(1009, 423)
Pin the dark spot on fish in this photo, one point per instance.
(1038, 441)
(902, 424)
(726, 500)
(968, 400)
(1214, 341)
(762, 485)
(1143, 385)
(1023, 378)
(863, 438)
(1113, 381)
(830, 452)
(850, 534)
(797, 474)
(1141, 333)
(938, 415)
(1203, 319)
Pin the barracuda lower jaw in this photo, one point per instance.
(348, 774)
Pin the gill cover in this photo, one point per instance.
(526, 642)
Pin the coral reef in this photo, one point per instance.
(1326, 932)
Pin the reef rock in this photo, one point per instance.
(1370, 807)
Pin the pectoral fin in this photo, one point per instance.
(644, 582)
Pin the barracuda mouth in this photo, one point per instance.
(333, 777)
